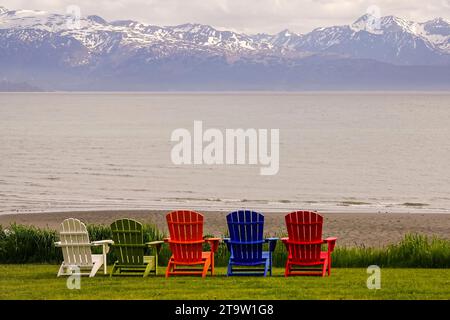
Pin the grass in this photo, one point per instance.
(33, 281)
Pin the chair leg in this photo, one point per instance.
(61, 270)
(212, 263)
(169, 267)
(266, 267)
(230, 269)
(270, 265)
(287, 270)
(98, 262)
(324, 268)
(113, 269)
(329, 266)
(206, 267)
(147, 270)
(104, 252)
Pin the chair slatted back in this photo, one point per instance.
(246, 235)
(186, 235)
(305, 235)
(75, 243)
(128, 237)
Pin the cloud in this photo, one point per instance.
(249, 16)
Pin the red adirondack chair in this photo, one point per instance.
(186, 243)
(304, 245)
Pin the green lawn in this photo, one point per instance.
(40, 282)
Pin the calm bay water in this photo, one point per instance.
(338, 152)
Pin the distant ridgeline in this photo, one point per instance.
(7, 86)
(44, 50)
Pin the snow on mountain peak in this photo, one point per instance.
(192, 28)
(286, 33)
(380, 25)
(97, 19)
(437, 31)
(394, 24)
(125, 23)
(438, 22)
(3, 10)
(437, 26)
(285, 39)
(21, 19)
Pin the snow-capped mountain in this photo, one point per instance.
(54, 47)
(388, 39)
(99, 36)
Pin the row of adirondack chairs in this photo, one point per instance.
(246, 244)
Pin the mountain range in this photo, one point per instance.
(49, 51)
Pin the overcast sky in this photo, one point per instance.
(250, 16)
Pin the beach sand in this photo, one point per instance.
(368, 229)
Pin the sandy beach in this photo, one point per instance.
(368, 229)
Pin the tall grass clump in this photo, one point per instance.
(25, 244)
(413, 251)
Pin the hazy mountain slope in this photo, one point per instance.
(49, 51)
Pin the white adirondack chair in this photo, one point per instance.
(76, 248)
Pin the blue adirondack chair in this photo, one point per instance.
(245, 244)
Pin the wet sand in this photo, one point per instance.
(368, 229)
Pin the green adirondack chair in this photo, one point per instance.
(130, 249)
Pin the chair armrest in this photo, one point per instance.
(331, 242)
(156, 244)
(214, 243)
(102, 242)
(272, 243)
(285, 242)
(58, 244)
(166, 240)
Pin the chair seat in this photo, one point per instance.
(265, 257)
(147, 260)
(206, 255)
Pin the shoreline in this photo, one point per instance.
(351, 228)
